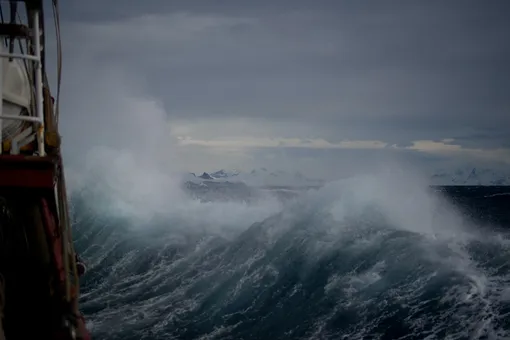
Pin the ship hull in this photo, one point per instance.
(32, 263)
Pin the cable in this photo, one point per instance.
(56, 18)
(64, 217)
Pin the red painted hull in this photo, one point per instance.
(29, 172)
(29, 182)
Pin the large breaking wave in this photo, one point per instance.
(375, 256)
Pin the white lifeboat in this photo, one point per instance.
(16, 93)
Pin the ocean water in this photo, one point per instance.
(363, 258)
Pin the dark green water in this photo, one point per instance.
(325, 267)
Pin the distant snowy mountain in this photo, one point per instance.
(257, 177)
(224, 174)
(205, 175)
(258, 184)
(262, 177)
(471, 176)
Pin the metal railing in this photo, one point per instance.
(38, 118)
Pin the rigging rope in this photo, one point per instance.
(56, 18)
(68, 245)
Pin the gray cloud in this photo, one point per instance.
(396, 71)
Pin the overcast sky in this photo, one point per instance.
(289, 84)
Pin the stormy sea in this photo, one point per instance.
(367, 257)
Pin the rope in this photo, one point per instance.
(56, 18)
(64, 211)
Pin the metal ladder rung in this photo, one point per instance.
(20, 56)
(22, 118)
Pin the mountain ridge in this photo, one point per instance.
(264, 177)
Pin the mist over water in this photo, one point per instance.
(379, 255)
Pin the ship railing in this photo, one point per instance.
(19, 31)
